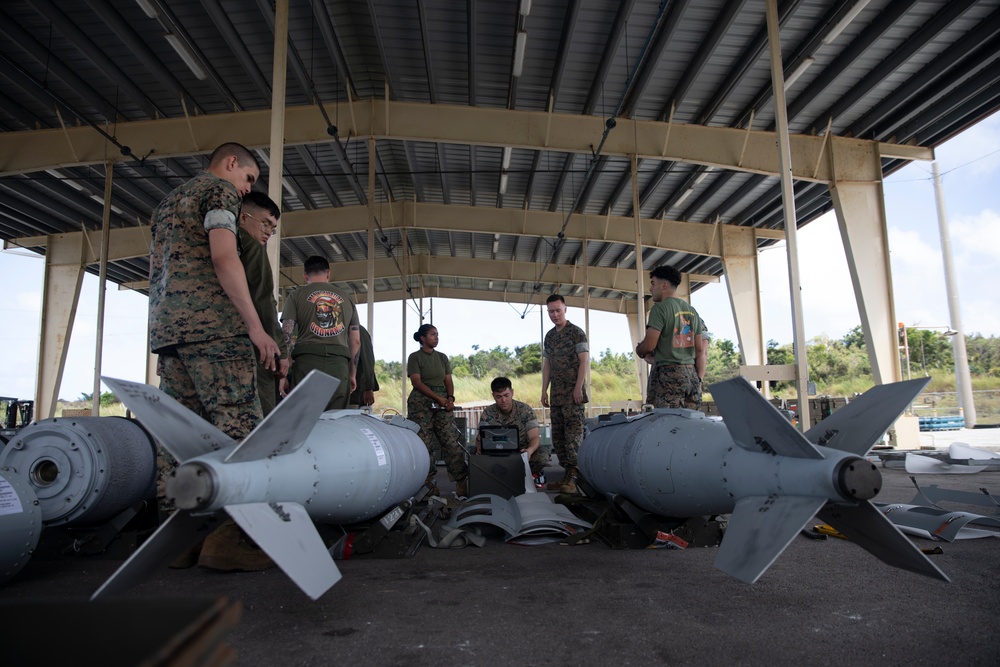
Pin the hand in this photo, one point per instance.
(649, 359)
(283, 365)
(545, 399)
(283, 386)
(267, 347)
(368, 398)
(354, 383)
(578, 395)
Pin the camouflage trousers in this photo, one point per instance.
(674, 386)
(567, 432)
(216, 380)
(440, 423)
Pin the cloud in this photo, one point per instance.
(977, 237)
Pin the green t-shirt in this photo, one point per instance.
(322, 315)
(432, 368)
(678, 324)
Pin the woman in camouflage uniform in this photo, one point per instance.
(431, 405)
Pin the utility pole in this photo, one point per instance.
(963, 381)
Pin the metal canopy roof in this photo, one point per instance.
(897, 71)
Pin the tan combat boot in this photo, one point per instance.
(556, 485)
(462, 488)
(227, 549)
(568, 484)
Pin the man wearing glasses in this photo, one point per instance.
(258, 221)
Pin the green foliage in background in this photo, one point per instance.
(107, 399)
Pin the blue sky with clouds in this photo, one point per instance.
(969, 163)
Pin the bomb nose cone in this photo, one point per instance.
(190, 487)
(858, 479)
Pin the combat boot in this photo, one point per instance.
(227, 549)
(568, 484)
(556, 485)
(462, 488)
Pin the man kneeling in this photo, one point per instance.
(508, 412)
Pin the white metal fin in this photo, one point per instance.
(857, 426)
(290, 423)
(755, 424)
(864, 525)
(760, 528)
(180, 532)
(181, 432)
(286, 533)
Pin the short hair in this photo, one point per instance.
(555, 297)
(499, 384)
(260, 200)
(422, 331)
(229, 149)
(315, 264)
(668, 273)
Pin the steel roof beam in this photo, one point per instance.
(983, 34)
(137, 46)
(97, 56)
(491, 269)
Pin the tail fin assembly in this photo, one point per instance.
(761, 527)
(283, 530)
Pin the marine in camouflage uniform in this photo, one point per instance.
(200, 330)
(431, 405)
(520, 415)
(328, 337)
(675, 341)
(565, 356)
(258, 220)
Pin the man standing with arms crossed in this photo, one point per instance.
(565, 358)
(674, 338)
(258, 221)
(328, 337)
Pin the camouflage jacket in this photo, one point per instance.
(521, 415)
(561, 349)
(186, 301)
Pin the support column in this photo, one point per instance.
(788, 204)
(64, 267)
(371, 233)
(277, 148)
(861, 217)
(642, 368)
(739, 262)
(95, 404)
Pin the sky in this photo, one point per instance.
(970, 168)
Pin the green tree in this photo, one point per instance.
(107, 398)
(621, 364)
(529, 359)
(723, 361)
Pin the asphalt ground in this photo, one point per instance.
(821, 603)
